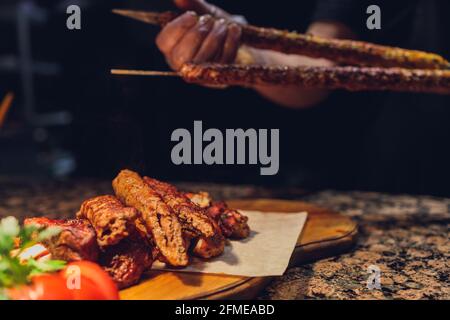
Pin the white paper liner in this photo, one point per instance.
(265, 253)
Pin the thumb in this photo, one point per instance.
(201, 7)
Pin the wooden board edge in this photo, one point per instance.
(249, 288)
(245, 291)
(319, 250)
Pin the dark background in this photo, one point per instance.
(109, 123)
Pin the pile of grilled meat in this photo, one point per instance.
(146, 220)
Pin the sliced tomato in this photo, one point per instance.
(81, 280)
(43, 287)
(93, 283)
(87, 290)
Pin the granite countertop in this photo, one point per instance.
(406, 237)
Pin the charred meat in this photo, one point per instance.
(202, 199)
(111, 220)
(343, 51)
(159, 220)
(127, 261)
(347, 78)
(233, 224)
(193, 218)
(197, 225)
(76, 241)
(209, 247)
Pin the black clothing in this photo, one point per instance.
(374, 141)
(402, 142)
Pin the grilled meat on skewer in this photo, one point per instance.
(127, 261)
(111, 220)
(348, 78)
(347, 52)
(193, 218)
(158, 218)
(76, 241)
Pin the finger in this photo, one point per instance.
(232, 44)
(174, 31)
(201, 7)
(189, 45)
(213, 42)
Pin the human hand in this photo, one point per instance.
(207, 35)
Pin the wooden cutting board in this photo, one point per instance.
(326, 234)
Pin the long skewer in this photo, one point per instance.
(347, 78)
(122, 72)
(341, 51)
(149, 17)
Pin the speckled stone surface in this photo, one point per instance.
(406, 237)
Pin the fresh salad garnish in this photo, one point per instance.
(14, 240)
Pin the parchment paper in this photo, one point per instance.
(265, 253)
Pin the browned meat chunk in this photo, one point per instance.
(232, 223)
(158, 218)
(194, 219)
(211, 247)
(111, 220)
(202, 199)
(127, 261)
(197, 225)
(75, 242)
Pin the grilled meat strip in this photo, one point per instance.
(158, 218)
(202, 199)
(208, 248)
(205, 235)
(194, 220)
(346, 52)
(233, 224)
(127, 261)
(348, 78)
(111, 220)
(76, 241)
